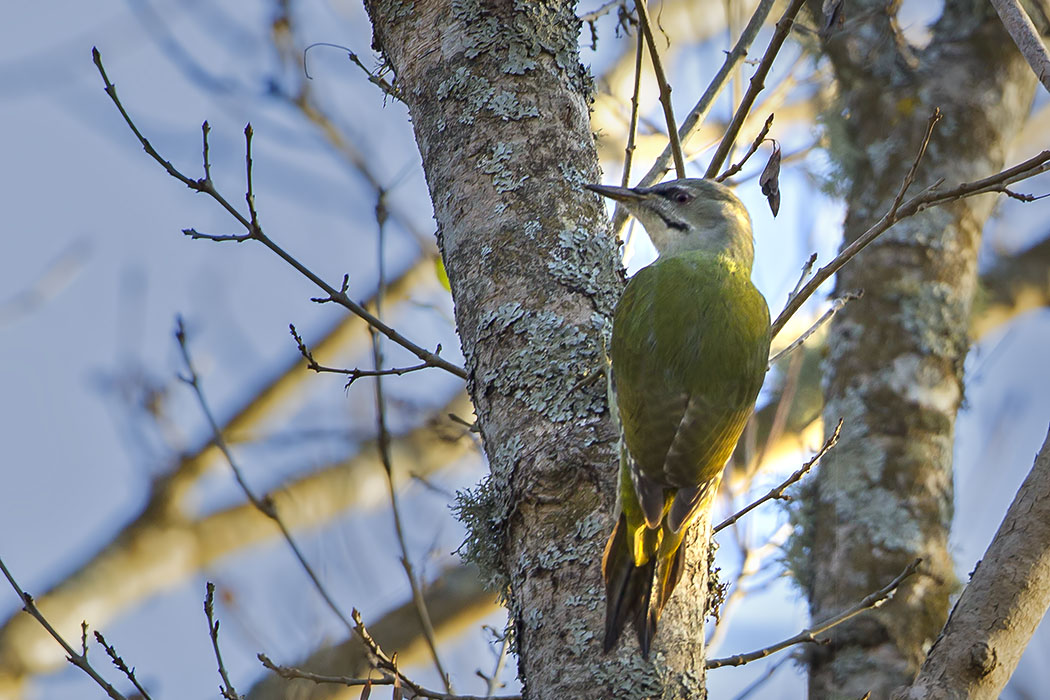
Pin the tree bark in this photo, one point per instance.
(1006, 599)
(895, 367)
(499, 105)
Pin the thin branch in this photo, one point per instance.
(264, 505)
(751, 565)
(807, 270)
(809, 636)
(923, 144)
(836, 306)
(757, 84)
(700, 110)
(78, 660)
(1019, 25)
(383, 444)
(601, 11)
(737, 167)
(632, 129)
(292, 673)
(228, 691)
(930, 197)
(115, 658)
(665, 88)
(492, 682)
(352, 374)
(255, 232)
(778, 492)
(383, 85)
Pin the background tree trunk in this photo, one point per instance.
(895, 366)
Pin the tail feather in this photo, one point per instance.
(628, 589)
(668, 573)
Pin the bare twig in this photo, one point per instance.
(383, 444)
(602, 10)
(632, 129)
(700, 110)
(388, 678)
(352, 374)
(836, 306)
(665, 88)
(930, 197)
(752, 563)
(737, 167)
(264, 505)
(1019, 25)
(78, 660)
(228, 691)
(923, 144)
(778, 492)
(492, 682)
(807, 269)
(383, 85)
(757, 84)
(809, 636)
(115, 658)
(255, 232)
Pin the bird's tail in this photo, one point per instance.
(629, 588)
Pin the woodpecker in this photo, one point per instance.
(689, 352)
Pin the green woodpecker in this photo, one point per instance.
(689, 350)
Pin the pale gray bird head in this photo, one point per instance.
(689, 214)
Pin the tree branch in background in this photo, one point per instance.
(144, 559)
(778, 492)
(79, 660)
(228, 691)
(632, 128)
(702, 108)
(1008, 594)
(392, 678)
(758, 82)
(255, 232)
(456, 600)
(111, 652)
(836, 306)
(383, 445)
(1020, 28)
(1011, 286)
(809, 636)
(736, 167)
(264, 505)
(352, 374)
(930, 197)
(665, 88)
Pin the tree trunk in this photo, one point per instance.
(895, 367)
(499, 104)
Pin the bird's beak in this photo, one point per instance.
(620, 194)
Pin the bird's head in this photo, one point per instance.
(689, 214)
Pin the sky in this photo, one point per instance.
(94, 271)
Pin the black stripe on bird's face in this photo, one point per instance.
(672, 223)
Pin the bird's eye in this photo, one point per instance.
(682, 197)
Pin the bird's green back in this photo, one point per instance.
(690, 345)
